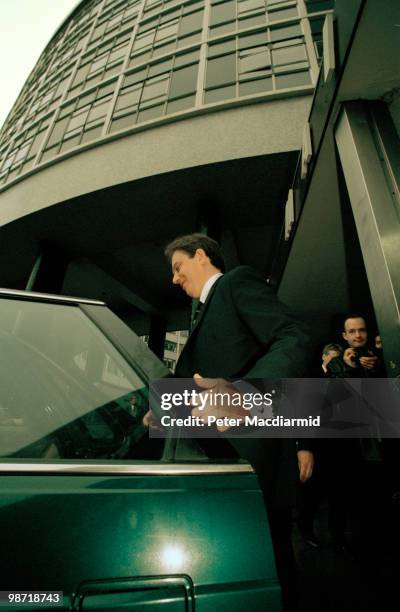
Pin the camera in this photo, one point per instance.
(360, 352)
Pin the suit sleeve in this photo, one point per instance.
(284, 341)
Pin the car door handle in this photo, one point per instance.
(174, 593)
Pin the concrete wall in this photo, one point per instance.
(259, 129)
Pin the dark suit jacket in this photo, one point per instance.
(244, 331)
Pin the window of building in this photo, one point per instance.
(251, 63)
(167, 32)
(314, 6)
(169, 345)
(101, 64)
(22, 155)
(281, 14)
(317, 24)
(157, 89)
(120, 17)
(79, 121)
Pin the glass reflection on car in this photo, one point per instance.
(66, 391)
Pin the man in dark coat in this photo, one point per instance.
(244, 332)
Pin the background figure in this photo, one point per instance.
(336, 474)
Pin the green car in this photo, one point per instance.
(90, 505)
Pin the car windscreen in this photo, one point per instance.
(65, 390)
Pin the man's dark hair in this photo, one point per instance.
(191, 242)
(353, 315)
(332, 347)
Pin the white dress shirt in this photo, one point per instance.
(207, 286)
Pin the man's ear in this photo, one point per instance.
(201, 254)
(344, 335)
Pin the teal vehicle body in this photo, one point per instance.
(89, 505)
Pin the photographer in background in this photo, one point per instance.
(359, 359)
(332, 364)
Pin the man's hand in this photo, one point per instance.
(226, 409)
(305, 460)
(349, 357)
(369, 362)
(148, 418)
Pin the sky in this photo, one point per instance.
(26, 26)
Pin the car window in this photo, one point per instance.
(65, 391)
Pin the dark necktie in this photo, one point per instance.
(196, 314)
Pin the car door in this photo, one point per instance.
(93, 507)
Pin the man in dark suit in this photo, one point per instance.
(243, 332)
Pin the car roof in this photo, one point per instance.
(46, 297)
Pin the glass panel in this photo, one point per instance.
(189, 40)
(283, 14)
(58, 131)
(189, 8)
(155, 89)
(151, 113)
(191, 23)
(288, 55)
(123, 123)
(164, 49)
(187, 58)
(177, 105)
(319, 5)
(256, 61)
(252, 40)
(93, 80)
(75, 396)
(62, 86)
(21, 154)
(99, 110)
(92, 133)
(99, 63)
(77, 120)
(28, 165)
(183, 81)
(169, 16)
(286, 32)
(250, 5)
(290, 67)
(128, 97)
(66, 110)
(144, 27)
(222, 29)
(49, 153)
(221, 70)
(87, 99)
(295, 79)
(219, 48)
(253, 87)
(223, 93)
(139, 59)
(70, 143)
(135, 77)
(144, 41)
(37, 143)
(117, 53)
(80, 75)
(167, 31)
(161, 67)
(223, 12)
(107, 89)
(249, 22)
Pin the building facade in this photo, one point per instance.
(114, 65)
(144, 119)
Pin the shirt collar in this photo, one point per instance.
(207, 286)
